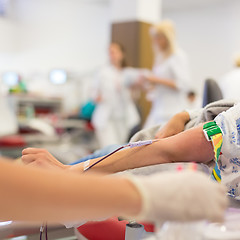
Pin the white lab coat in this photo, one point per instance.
(230, 84)
(116, 113)
(166, 101)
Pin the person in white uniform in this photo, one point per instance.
(116, 113)
(230, 83)
(170, 75)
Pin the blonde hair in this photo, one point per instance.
(167, 29)
(237, 61)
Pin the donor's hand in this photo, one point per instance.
(38, 157)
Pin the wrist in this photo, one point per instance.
(78, 168)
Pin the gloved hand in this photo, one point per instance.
(181, 196)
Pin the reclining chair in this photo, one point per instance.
(211, 92)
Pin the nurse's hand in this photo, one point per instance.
(184, 196)
(141, 80)
(38, 157)
(174, 126)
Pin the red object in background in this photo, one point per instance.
(108, 230)
(42, 110)
(12, 141)
(89, 126)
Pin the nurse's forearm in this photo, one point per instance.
(190, 145)
(165, 82)
(32, 194)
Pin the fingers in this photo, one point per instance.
(33, 151)
(160, 135)
(30, 155)
(41, 158)
(157, 135)
(218, 203)
(223, 200)
(199, 198)
(166, 132)
(217, 217)
(216, 212)
(29, 158)
(210, 198)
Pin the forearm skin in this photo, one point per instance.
(187, 146)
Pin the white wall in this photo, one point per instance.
(141, 10)
(40, 34)
(210, 34)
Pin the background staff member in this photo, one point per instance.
(115, 114)
(170, 75)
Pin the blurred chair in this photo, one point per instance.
(211, 92)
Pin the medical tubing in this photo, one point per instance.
(41, 231)
(42, 228)
(46, 232)
(103, 158)
(131, 145)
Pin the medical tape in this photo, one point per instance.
(85, 165)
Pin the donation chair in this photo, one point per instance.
(211, 92)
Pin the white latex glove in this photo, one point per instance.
(184, 196)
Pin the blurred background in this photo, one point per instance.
(55, 59)
(37, 36)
